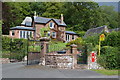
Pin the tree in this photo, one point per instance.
(13, 14)
(80, 15)
(52, 9)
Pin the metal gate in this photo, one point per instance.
(34, 49)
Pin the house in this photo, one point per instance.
(99, 30)
(32, 26)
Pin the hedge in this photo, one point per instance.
(109, 57)
(14, 48)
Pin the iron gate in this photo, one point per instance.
(34, 50)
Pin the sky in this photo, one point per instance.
(115, 4)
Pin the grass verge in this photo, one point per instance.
(106, 72)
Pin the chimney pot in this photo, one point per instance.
(61, 18)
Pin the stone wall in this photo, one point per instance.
(4, 60)
(64, 61)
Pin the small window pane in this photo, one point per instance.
(23, 34)
(13, 33)
(20, 34)
(72, 36)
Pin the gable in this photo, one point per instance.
(43, 20)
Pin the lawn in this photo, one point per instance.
(53, 46)
(106, 72)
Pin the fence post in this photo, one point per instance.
(74, 54)
(44, 43)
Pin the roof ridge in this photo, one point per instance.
(46, 17)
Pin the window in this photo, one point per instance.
(72, 37)
(25, 34)
(13, 33)
(48, 34)
(53, 34)
(21, 33)
(67, 37)
(51, 25)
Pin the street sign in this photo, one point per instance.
(102, 37)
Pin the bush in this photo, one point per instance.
(92, 40)
(109, 57)
(112, 39)
(80, 33)
(14, 48)
(79, 41)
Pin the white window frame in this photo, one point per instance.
(20, 34)
(52, 25)
(53, 33)
(12, 32)
(67, 37)
(73, 36)
(48, 34)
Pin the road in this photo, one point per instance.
(20, 70)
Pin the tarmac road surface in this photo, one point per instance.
(20, 70)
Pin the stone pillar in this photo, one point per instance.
(44, 43)
(92, 60)
(74, 53)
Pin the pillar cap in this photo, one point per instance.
(74, 45)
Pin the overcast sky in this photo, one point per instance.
(115, 4)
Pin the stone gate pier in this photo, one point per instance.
(55, 59)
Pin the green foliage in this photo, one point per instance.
(53, 9)
(112, 39)
(56, 46)
(14, 48)
(109, 57)
(79, 41)
(14, 13)
(92, 40)
(6, 43)
(43, 31)
(86, 14)
(80, 33)
(106, 72)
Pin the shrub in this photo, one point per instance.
(14, 48)
(109, 57)
(6, 43)
(92, 40)
(112, 39)
(79, 41)
(80, 33)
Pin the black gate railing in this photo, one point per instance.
(34, 49)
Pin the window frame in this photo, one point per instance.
(54, 35)
(73, 37)
(51, 24)
(13, 33)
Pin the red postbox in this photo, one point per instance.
(93, 57)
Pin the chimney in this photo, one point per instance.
(61, 18)
(35, 13)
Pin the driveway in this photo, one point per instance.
(20, 70)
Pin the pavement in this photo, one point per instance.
(20, 70)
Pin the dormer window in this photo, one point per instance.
(51, 25)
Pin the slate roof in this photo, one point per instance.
(22, 28)
(45, 20)
(94, 31)
(70, 32)
(116, 29)
(27, 21)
